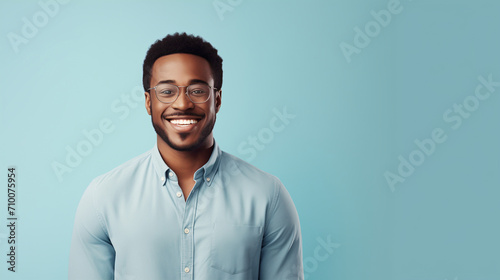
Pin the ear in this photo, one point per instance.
(148, 102)
(218, 99)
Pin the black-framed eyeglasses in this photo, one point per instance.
(197, 93)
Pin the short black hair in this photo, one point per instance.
(182, 43)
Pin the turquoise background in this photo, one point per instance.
(352, 121)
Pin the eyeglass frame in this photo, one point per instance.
(185, 92)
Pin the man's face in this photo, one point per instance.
(183, 125)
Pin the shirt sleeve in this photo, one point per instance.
(281, 253)
(92, 255)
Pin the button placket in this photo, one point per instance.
(187, 237)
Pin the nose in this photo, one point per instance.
(182, 102)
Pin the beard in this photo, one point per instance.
(205, 132)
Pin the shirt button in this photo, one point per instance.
(171, 174)
(186, 230)
(208, 179)
(179, 194)
(163, 178)
(186, 269)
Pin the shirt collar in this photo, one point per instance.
(207, 171)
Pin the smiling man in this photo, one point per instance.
(185, 209)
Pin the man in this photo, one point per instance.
(185, 209)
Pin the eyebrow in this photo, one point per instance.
(192, 81)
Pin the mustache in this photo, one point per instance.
(183, 114)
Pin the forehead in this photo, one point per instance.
(181, 67)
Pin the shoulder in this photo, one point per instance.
(120, 176)
(234, 166)
(253, 184)
(248, 178)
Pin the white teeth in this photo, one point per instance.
(183, 122)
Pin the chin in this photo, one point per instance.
(184, 142)
(181, 143)
(184, 147)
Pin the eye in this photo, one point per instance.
(166, 92)
(198, 92)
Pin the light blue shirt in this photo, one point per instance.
(237, 223)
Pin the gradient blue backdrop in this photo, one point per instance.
(354, 115)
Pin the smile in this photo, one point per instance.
(184, 125)
(183, 121)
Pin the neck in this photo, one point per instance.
(185, 163)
